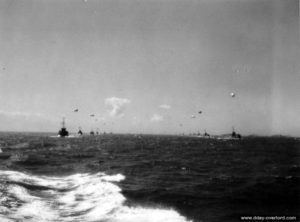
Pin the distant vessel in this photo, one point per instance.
(80, 132)
(235, 135)
(206, 134)
(63, 131)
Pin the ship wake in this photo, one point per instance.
(79, 197)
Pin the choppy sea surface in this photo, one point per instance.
(128, 178)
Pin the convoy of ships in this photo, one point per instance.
(64, 133)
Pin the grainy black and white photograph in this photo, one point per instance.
(149, 111)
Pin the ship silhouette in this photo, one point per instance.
(63, 131)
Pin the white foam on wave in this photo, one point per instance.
(79, 197)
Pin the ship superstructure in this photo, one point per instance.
(63, 131)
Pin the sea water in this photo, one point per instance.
(147, 178)
(78, 197)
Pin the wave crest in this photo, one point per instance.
(79, 197)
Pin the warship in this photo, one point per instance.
(63, 131)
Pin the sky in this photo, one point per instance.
(150, 66)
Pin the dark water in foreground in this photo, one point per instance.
(149, 178)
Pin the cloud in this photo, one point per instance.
(165, 106)
(20, 114)
(157, 118)
(117, 106)
(27, 121)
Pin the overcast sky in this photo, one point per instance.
(148, 66)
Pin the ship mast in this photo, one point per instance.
(63, 123)
(63, 131)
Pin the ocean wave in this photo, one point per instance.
(79, 197)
